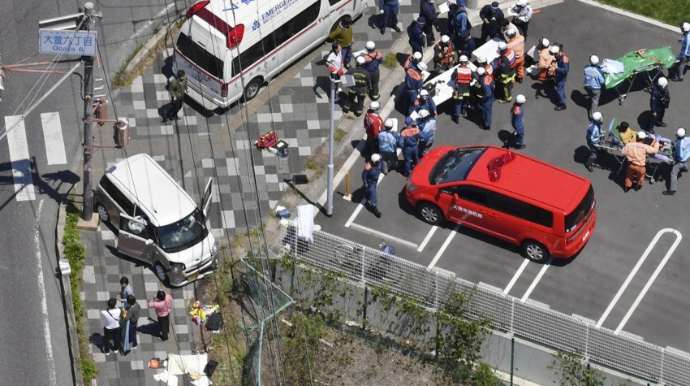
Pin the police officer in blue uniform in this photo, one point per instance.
(416, 34)
(684, 55)
(517, 114)
(658, 103)
(593, 138)
(370, 177)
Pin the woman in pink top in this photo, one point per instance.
(162, 303)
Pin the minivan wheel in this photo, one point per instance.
(252, 89)
(430, 213)
(103, 213)
(535, 251)
(160, 271)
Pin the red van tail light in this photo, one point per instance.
(196, 7)
(235, 36)
(224, 90)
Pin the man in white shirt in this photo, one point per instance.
(111, 327)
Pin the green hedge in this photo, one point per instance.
(75, 252)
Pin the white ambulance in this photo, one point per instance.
(230, 48)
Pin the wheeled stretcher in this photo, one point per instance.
(612, 144)
(648, 62)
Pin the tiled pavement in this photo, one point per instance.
(192, 150)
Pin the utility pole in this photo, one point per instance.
(87, 207)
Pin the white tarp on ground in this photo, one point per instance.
(185, 364)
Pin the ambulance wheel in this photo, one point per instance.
(430, 213)
(253, 88)
(535, 251)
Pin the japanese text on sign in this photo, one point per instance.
(81, 43)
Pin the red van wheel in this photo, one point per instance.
(430, 213)
(535, 251)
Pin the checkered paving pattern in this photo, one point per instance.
(247, 182)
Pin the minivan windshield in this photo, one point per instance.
(455, 165)
(573, 219)
(183, 234)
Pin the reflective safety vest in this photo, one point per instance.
(510, 55)
(464, 75)
(444, 53)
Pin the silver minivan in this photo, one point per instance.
(158, 221)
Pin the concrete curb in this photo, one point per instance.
(65, 282)
(149, 47)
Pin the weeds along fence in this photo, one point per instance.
(433, 288)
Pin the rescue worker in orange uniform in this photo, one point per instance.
(636, 153)
(516, 43)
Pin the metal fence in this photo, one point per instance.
(433, 288)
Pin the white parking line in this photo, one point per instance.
(536, 280)
(20, 159)
(679, 237)
(52, 134)
(444, 246)
(632, 274)
(516, 276)
(360, 206)
(427, 238)
(374, 232)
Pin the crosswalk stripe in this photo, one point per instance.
(52, 134)
(19, 157)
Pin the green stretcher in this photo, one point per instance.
(646, 61)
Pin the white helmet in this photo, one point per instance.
(520, 99)
(522, 3)
(423, 113)
(545, 42)
(370, 45)
(389, 123)
(375, 106)
(463, 58)
(375, 158)
(554, 49)
(502, 46)
(685, 27)
(597, 116)
(361, 60)
(424, 93)
(641, 135)
(594, 60)
(417, 56)
(680, 133)
(511, 32)
(481, 59)
(663, 82)
(422, 66)
(445, 39)
(481, 71)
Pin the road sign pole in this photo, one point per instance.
(87, 209)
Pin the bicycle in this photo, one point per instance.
(350, 258)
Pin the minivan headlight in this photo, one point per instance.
(410, 186)
(214, 249)
(177, 267)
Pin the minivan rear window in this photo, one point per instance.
(573, 219)
(200, 56)
(455, 165)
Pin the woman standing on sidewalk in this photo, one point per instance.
(131, 319)
(162, 303)
(111, 327)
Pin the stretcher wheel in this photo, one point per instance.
(651, 181)
(620, 100)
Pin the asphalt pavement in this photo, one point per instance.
(613, 281)
(201, 146)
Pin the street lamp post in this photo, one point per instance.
(347, 81)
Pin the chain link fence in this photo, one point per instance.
(433, 287)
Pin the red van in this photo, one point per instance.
(545, 210)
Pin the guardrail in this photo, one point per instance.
(433, 287)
